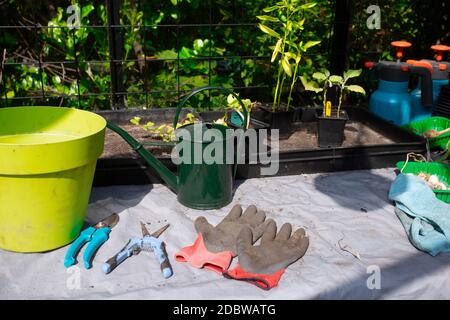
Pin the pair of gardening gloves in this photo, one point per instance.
(236, 235)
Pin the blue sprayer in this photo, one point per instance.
(440, 71)
(392, 100)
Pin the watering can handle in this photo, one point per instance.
(244, 109)
(194, 92)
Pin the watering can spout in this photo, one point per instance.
(166, 175)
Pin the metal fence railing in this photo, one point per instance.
(71, 73)
(136, 53)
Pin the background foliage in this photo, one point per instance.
(176, 45)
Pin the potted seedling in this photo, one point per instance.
(331, 123)
(284, 23)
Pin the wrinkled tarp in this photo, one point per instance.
(341, 210)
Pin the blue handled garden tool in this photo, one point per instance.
(149, 242)
(96, 236)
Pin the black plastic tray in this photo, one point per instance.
(318, 160)
(136, 171)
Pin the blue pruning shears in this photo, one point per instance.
(96, 236)
(149, 242)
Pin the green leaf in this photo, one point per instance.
(336, 79)
(276, 50)
(174, 2)
(268, 18)
(290, 55)
(310, 44)
(56, 79)
(319, 76)
(310, 86)
(268, 30)
(352, 73)
(357, 89)
(307, 6)
(286, 66)
(136, 121)
(167, 54)
(86, 10)
(198, 44)
(270, 9)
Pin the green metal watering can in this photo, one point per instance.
(198, 186)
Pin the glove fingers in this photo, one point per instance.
(244, 240)
(269, 232)
(234, 214)
(298, 235)
(260, 216)
(260, 229)
(202, 225)
(249, 213)
(303, 246)
(300, 241)
(285, 232)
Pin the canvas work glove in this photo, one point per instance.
(264, 264)
(215, 247)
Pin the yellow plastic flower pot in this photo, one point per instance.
(47, 163)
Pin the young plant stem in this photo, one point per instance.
(325, 87)
(341, 91)
(292, 86)
(283, 79)
(279, 89)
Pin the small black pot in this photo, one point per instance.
(278, 119)
(331, 130)
(308, 114)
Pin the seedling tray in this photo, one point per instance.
(130, 169)
(119, 164)
(439, 169)
(433, 123)
(395, 144)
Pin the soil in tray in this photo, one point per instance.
(116, 147)
(356, 134)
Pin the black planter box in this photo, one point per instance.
(306, 114)
(280, 119)
(136, 171)
(331, 130)
(320, 160)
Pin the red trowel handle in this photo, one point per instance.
(440, 50)
(400, 46)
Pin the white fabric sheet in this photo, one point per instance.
(347, 206)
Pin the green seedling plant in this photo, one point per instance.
(233, 104)
(325, 80)
(164, 131)
(167, 133)
(287, 20)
